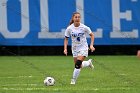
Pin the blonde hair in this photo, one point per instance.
(71, 21)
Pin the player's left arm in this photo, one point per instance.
(92, 42)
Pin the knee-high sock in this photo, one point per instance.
(85, 64)
(76, 73)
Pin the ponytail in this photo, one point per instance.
(71, 21)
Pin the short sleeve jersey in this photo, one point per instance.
(78, 34)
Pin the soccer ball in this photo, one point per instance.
(49, 81)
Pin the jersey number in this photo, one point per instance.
(78, 39)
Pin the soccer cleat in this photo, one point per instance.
(90, 64)
(72, 81)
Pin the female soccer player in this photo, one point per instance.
(77, 31)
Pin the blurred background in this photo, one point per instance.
(36, 27)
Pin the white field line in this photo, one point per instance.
(30, 76)
(5, 85)
(122, 74)
(126, 74)
(55, 89)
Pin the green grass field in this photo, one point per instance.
(112, 74)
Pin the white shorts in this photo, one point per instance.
(80, 51)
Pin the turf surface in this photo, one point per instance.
(112, 74)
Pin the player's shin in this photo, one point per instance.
(76, 71)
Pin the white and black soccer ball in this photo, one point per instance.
(49, 81)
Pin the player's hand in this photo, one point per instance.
(92, 48)
(65, 52)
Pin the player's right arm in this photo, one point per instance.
(67, 35)
(65, 45)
